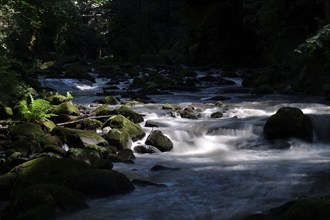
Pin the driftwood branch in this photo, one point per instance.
(81, 119)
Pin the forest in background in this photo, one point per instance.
(285, 42)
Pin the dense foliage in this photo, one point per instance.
(253, 33)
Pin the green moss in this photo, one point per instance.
(90, 124)
(128, 113)
(67, 108)
(27, 129)
(109, 100)
(50, 125)
(124, 125)
(102, 110)
(119, 139)
(168, 106)
(78, 138)
(83, 154)
(57, 98)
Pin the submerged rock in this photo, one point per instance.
(302, 209)
(217, 115)
(161, 168)
(145, 183)
(289, 122)
(154, 123)
(160, 141)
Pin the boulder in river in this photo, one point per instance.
(128, 113)
(160, 141)
(78, 138)
(289, 122)
(66, 108)
(109, 100)
(123, 124)
(73, 174)
(300, 209)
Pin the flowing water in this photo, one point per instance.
(222, 168)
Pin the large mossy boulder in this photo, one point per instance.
(27, 129)
(102, 110)
(123, 124)
(302, 209)
(119, 139)
(66, 108)
(74, 174)
(27, 138)
(83, 154)
(109, 100)
(44, 201)
(289, 122)
(57, 99)
(128, 113)
(160, 141)
(78, 138)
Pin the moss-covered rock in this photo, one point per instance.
(109, 100)
(130, 102)
(48, 124)
(78, 138)
(289, 122)
(83, 154)
(27, 129)
(128, 113)
(48, 154)
(120, 139)
(51, 148)
(57, 99)
(101, 150)
(126, 154)
(26, 146)
(125, 125)
(168, 106)
(160, 141)
(102, 110)
(90, 124)
(74, 174)
(66, 108)
(45, 201)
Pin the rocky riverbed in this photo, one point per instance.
(199, 139)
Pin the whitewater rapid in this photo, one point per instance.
(219, 168)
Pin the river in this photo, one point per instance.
(219, 168)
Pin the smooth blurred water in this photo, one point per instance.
(224, 167)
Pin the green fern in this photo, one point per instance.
(38, 109)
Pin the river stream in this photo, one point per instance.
(219, 168)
